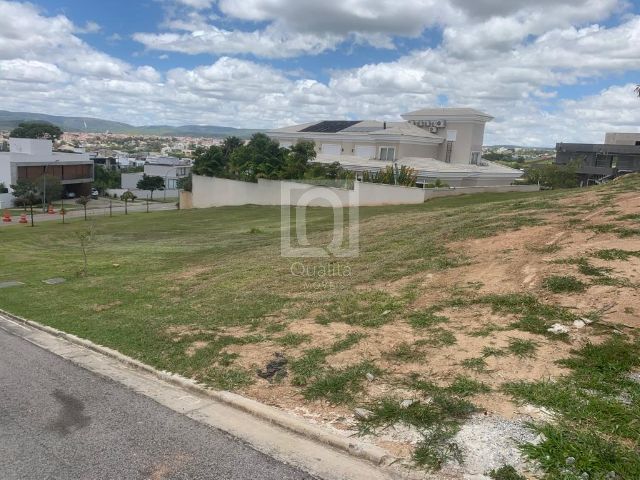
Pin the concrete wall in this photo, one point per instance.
(6, 200)
(130, 180)
(430, 193)
(186, 200)
(618, 138)
(218, 192)
(30, 146)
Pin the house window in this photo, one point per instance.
(172, 183)
(475, 157)
(181, 171)
(387, 153)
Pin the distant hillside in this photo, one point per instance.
(10, 120)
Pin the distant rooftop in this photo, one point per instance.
(448, 112)
(330, 126)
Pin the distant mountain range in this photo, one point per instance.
(10, 120)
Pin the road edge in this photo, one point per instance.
(370, 453)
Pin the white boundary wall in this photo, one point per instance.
(219, 192)
(430, 193)
(222, 192)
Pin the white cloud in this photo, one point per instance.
(506, 63)
(272, 42)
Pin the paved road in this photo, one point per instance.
(59, 421)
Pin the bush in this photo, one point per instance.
(552, 176)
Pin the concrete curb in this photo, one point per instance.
(371, 453)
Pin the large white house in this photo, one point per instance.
(30, 159)
(439, 143)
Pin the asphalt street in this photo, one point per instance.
(59, 421)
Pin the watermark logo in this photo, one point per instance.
(296, 200)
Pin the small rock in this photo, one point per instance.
(558, 328)
(579, 324)
(584, 476)
(611, 476)
(362, 413)
(386, 312)
(406, 403)
(541, 438)
(570, 460)
(370, 377)
(586, 320)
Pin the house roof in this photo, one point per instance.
(364, 127)
(445, 113)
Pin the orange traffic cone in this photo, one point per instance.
(51, 211)
(23, 218)
(6, 217)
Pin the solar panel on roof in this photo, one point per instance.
(330, 126)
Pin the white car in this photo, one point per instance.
(94, 193)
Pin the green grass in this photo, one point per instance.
(493, 352)
(522, 348)
(616, 254)
(405, 352)
(216, 276)
(564, 284)
(532, 315)
(477, 364)
(293, 339)
(437, 414)
(349, 341)
(339, 386)
(426, 318)
(595, 424)
(437, 337)
(506, 472)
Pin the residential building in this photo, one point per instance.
(30, 159)
(171, 169)
(439, 143)
(619, 154)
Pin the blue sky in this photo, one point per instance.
(551, 71)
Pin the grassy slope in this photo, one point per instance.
(217, 270)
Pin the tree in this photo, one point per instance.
(210, 162)
(85, 237)
(26, 193)
(126, 197)
(637, 90)
(106, 178)
(185, 183)
(230, 145)
(52, 187)
(553, 175)
(84, 201)
(151, 183)
(36, 130)
(296, 161)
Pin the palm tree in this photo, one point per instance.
(637, 90)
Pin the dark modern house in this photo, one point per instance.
(619, 154)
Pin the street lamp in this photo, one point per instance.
(44, 185)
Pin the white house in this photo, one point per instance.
(439, 143)
(30, 159)
(171, 169)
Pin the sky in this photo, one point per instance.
(548, 71)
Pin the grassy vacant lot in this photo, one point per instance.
(447, 310)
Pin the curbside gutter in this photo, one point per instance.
(371, 453)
